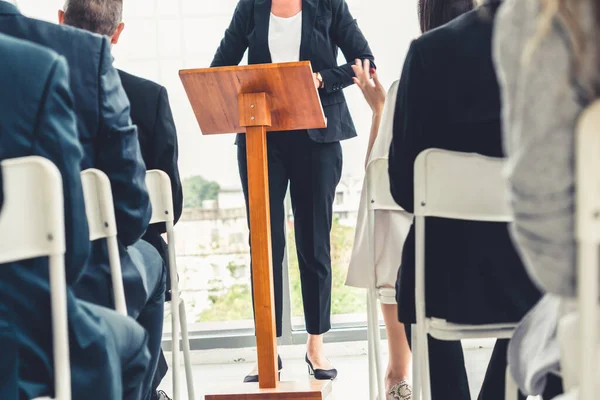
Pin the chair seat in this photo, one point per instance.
(444, 330)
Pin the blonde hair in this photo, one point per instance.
(570, 14)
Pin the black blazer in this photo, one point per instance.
(327, 26)
(151, 112)
(449, 98)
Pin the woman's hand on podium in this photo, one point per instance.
(372, 89)
(318, 80)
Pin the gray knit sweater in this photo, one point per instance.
(540, 110)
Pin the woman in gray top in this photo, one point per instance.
(546, 55)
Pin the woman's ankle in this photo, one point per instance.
(393, 377)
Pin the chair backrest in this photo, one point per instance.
(99, 205)
(454, 185)
(464, 186)
(161, 197)
(378, 187)
(100, 212)
(588, 237)
(32, 225)
(32, 217)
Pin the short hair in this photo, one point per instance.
(98, 16)
(435, 13)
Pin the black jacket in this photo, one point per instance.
(107, 136)
(151, 112)
(449, 98)
(327, 26)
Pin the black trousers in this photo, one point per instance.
(312, 171)
(449, 376)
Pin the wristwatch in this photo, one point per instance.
(320, 79)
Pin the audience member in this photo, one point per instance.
(391, 227)
(109, 355)
(150, 111)
(449, 98)
(110, 143)
(547, 58)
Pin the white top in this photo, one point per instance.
(285, 35)
(376, 256)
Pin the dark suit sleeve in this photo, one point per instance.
(235, 41)
(165, 147)
(410, 132)
(56, 139)
(348, 37)
(119, 155)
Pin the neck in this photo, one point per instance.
(286, 8)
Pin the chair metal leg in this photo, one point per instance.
(60, 327)
(416, 366)
(425, 370)
(511, 391)
(189, 377)
(175, 344)
(174, 310)
(377, 344)
(371, 350)
(116, 275)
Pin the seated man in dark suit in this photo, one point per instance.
(108, 352)
(150, 108)
(110, 143)
(449, 98)
(150, 111)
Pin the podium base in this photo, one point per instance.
(308, 390)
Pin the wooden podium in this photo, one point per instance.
(253, 100)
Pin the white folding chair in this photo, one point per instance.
(588, 238)
(159, 188)
(456, 186)
(32, 225)
(100, 211)
(379, 198)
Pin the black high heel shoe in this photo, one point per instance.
(254, 378)
(320, 374)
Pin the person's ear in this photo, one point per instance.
(115, 37)
(61, 17)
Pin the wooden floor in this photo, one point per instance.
(352, 381)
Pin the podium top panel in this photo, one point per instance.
(291, 95)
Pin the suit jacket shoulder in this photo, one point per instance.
(29, 80)
(144, 96)
(459, 36)
(133, 81)
(54, 36)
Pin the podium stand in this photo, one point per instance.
(253, 100)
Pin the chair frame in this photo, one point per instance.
(464, 201)
(34, 202)
(376, 378)
(587, 233)
(100, 211)
(161, 198)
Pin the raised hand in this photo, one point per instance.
(368, 82)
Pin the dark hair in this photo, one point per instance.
(434, 13)
(98, 16)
